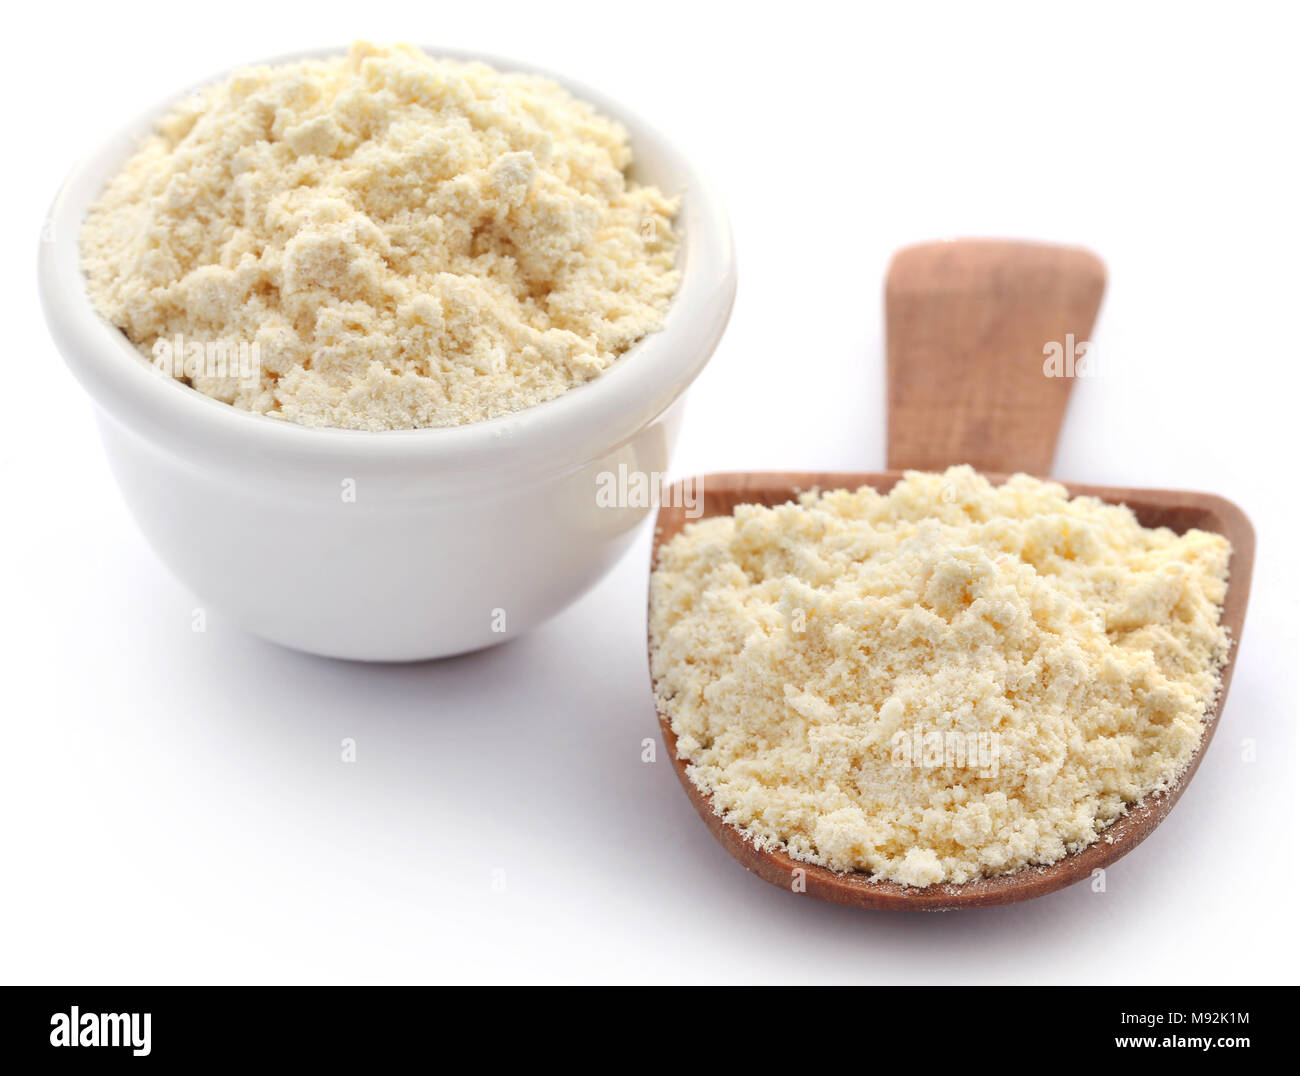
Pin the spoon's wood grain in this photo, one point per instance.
(1180, 511)
(966, 323)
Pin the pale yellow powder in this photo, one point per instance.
(408, 241)
(799, 650)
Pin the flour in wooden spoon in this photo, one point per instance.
(812, 657)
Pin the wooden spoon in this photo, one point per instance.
(967, 324)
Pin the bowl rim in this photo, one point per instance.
(579, 425)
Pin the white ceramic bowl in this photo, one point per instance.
(455, 538)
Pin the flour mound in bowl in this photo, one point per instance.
(947, 682)
(393, 241)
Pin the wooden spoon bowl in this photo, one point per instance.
(972, 329)
(1180, 511)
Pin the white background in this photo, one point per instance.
(173, 803)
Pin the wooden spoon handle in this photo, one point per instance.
(970, 324)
